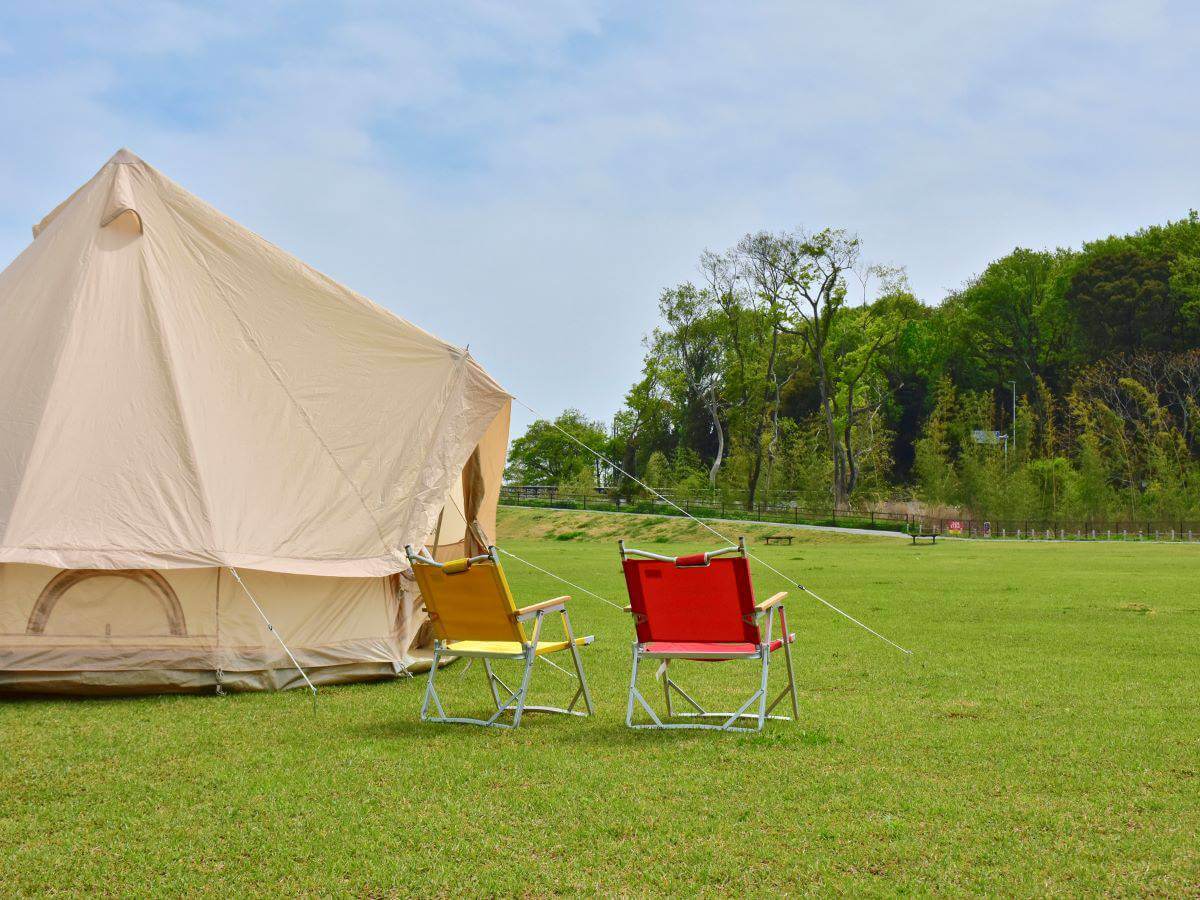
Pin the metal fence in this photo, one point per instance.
(784, 509)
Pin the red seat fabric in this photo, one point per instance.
(713, 603)
(707, 648)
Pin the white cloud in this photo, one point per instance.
(526, 178)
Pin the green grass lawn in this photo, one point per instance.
(1043, 738)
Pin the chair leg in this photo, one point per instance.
(759, 695)
(673, 685)
(432, 697)
(787, 656)
(762, 691)
(728, 720)
(531, 657)
(636, 695)
(666, 680)
(491, 680)
(632, 688)
(430, 690)
(583, 685)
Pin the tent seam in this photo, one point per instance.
(460, 372)
(451, 394)
(304, 414)
(169, 366)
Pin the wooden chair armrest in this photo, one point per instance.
(771, 601)
(545, 606)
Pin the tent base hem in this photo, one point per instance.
(180, 681)
(17, 683)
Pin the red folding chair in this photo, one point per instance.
(701, 607)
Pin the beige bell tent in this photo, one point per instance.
(183, 403)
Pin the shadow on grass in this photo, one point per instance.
(571, 731)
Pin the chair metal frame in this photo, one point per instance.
(761, 653)
(515, 699)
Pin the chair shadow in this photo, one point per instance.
(569, 731)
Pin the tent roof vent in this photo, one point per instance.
(121, 208)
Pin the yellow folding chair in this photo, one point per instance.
(473, 615)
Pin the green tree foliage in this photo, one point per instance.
(796, 370)
(1010, 322)
(1123, 300)
(544, 455)
(1137, 292)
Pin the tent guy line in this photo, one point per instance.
(519, 559)
(570, 584)
(703, 524)
(271, 628)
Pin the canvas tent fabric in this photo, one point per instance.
(178, 396)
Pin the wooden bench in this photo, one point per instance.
(930, 536)
(779, 539)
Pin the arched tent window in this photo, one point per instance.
(153, 607)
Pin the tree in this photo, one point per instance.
(812, 271)
(1012, 322)
(859, 340)
(933, 468)
(544, 455)
(692, 347)
(1123, 300)
(796, 367)
(747, 286)
(641, 427)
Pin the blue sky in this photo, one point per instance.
(527, 177)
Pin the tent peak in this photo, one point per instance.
(125, 156)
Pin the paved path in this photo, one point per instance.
(835, 529)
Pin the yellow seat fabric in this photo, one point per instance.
(508, 647)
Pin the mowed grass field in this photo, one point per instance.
(1044, 737)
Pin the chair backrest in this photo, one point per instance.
(692, 602)
(469, 602)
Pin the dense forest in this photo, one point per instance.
(1055, 385)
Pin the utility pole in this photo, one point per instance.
(1013, 384)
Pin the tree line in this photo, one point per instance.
(793, 367)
